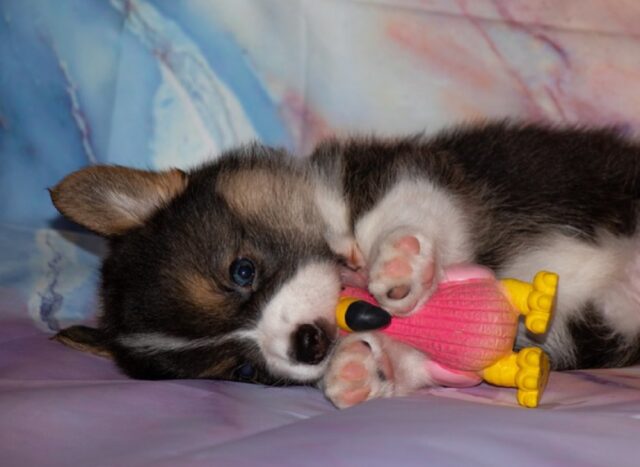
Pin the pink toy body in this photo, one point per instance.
(468, 328)
(466, 325)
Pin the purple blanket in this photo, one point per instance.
(61, 407)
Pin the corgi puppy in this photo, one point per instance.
(232, 270)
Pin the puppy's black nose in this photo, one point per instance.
(310, 344)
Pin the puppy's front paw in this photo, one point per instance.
(359, 370)
(404, 272)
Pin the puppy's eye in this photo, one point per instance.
(245, 372)
(242, 272)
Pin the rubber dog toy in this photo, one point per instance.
(468, 328)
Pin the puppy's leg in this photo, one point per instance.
(408, 237)
(369, 365)
(404, 271)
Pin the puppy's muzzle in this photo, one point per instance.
(311, 344)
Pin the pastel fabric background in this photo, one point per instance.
(156, 84)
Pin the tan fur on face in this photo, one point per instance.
(279, 198)
(111, 200)
(201, 291)
(76, 341)
(218, 369)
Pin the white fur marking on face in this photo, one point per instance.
(157, 342)
(311, 294)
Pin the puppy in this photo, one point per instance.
(232, 270)
(222, 272)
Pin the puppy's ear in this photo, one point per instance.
(85, 339)
(111, 200)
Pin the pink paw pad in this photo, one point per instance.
(408, 244)
(353, 372)
(427, 276)
(401, 267)
(397, 267)
(355, 396)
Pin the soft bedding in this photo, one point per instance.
(61, 407)
(161, 83)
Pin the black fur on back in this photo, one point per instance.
(522, 178)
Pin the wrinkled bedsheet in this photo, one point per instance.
(61, 407)
(155, 84)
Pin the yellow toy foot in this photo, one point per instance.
(537, 321)
(534, 300)
(532, 377)
(540, 302)
(503, 372)
(546, 282)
